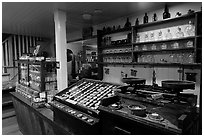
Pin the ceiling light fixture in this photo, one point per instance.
(87, 16)
(97, 11)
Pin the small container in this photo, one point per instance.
(139, 110)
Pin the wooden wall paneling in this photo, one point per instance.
(16, 48)
(10, 51)
(27, 44)
(22, 45)
(19, 46)
(36, 123)
(3, 54)
(13, 49)
(6, 54)
(34, 42)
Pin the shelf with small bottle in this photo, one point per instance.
(163, 50)
(117, 45)
(116, 30)
(194, 65)
(167, 20)
(117, 51)
(165, 40)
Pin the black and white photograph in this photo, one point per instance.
(101, 67)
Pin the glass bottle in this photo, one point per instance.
(190, 29)
(146, 37)
(145, 19)
(160, 36)
(137, 22)
(154, 17)
(168, 35)
(179, 34)
(127, 24)
(152, 36)
(166, 13)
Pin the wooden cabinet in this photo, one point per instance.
(35, 77)
(169, 42)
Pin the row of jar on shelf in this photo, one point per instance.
(164, 46)
(158, 46)
(183, 58)
(117, 59)
(182, 31)
(118, 50)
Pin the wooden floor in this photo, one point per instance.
(9, 122)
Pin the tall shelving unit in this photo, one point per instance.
(146, 48)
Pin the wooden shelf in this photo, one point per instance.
(186, 16)
(81, 39)
(117, 31)
(162, 50)
(162, 41)
(153, 64)
(116, 53)
(117, 45)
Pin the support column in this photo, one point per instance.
(61, 43)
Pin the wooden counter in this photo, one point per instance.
(33, 121)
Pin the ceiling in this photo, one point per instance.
(37, 18)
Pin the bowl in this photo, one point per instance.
(139, 110)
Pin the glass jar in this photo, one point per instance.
(138, 38)
(163, 46)
(152, 36)
(190, 29)
(154, 47)
(146, 37)
(179, 33)
(144, 47)
(189, 44)
(160, 35)
(168, 35)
